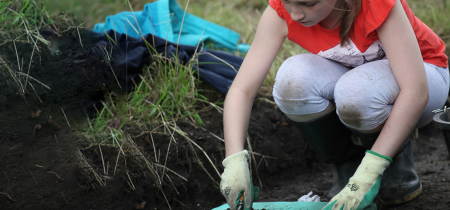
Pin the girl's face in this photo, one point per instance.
(312, 12)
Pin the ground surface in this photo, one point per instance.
(43, 168)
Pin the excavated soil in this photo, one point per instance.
(43, 169)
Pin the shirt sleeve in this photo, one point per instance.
(377, 12)
(278, 6)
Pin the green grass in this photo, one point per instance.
(92, 11)
(20, 21)
(436, 14)
(17, 15)
(167, 92)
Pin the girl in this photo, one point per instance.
(375, 70)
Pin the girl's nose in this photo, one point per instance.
(297, 13)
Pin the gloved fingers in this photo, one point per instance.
(339, 205)
(315, 198)
(303, 198)
(231, 199)
(347, 205)
(353, 204)
(248, 196)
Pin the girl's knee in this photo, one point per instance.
(293, 76)
(351, 115)
(298, 84)
(360, 104)
(363, 115)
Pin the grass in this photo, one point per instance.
(19, 15)
(19, 22)
(434, 13)
(97, 10)
(167, 92)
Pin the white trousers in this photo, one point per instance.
(364, 96)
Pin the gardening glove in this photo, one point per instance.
(309, 198)
(235, 179)
(363, 186)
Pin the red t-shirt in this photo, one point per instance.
(364, 45)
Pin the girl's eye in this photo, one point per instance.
(310, 4)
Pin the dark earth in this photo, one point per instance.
(53, 167)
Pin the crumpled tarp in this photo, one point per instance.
(130, 54)
(164, 19)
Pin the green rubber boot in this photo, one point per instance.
(331, 141)
(400, 182)
(342, 172)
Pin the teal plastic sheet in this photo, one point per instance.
(164, 19)
(294, 205)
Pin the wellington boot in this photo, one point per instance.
(331, 141)
(400, 182)
(342, 172)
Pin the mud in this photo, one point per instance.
(351, 115)
(43, 168)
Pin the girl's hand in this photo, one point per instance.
(363, 186)
(236, 178)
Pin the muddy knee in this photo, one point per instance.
(360, 109)
(350, 115)
(292, 78)
(294, 86)
(305, 84)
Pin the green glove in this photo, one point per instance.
(363, 186)
(236, 180)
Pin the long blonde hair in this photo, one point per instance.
(351, 9)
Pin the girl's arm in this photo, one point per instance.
(405, 59)
(270, 35)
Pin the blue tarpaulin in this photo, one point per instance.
(164, 19)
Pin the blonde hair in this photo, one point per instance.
(351, 9)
